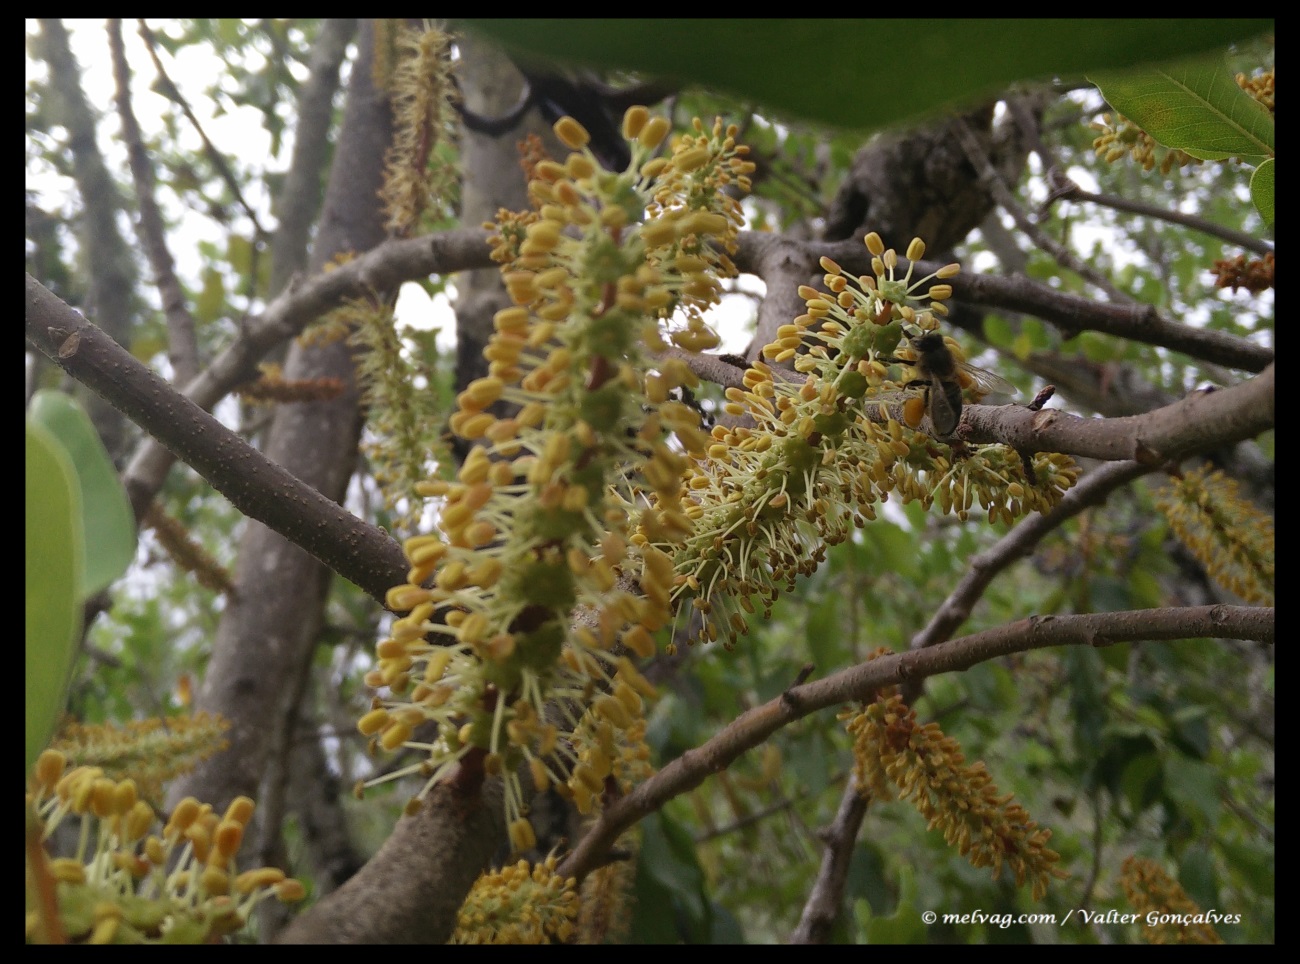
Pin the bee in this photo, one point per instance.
(942, 378)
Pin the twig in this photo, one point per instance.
(183, 348)
(214, 155)
(1064, 189)
(1093, 490)
(749, 819)
(992, 181)
(826, 898)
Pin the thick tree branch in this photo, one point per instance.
(859, 682)
(1201, 422)
(258, 487)
(410, 890)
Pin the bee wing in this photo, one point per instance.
(985, 382)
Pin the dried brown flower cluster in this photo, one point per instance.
(896, 754)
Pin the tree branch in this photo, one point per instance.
(1070, 313)
(258, 487)
(382, 268)
(1198, 423)
(993, 182)
(410, 890)
(182, 345)
(298, 202)
(858, 683)
(215, 156)
(826, 898)
(1065, 189)
(1092, 490)
(108, 260)
(1201, 422)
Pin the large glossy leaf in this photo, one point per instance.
(109, 524)
(54, 558)
(1194, 106)
(864, 74)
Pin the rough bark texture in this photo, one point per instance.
(920, 184)
(410, 891)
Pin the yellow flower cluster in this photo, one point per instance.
(519, 905)
(537, 525)
(128, 884)
(1119, 136)
(811, 453)
(892, 750)
(1155, 895)
(992, 476)
(1228, 535)
(1260, 87)
(691, 198)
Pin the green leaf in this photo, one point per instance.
(1140, 781)
(1194, 106)
(239, 252)
(1261, 190)
(904, 926)
(211, 300)
(108, 523)
(824, 633)
(54, 561)
(1196, 872)
(1195, 787)
(998, 331)
(671, 901)
(896, 549)
(864, 74)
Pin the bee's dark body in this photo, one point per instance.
(938, 372)
(942, 379)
